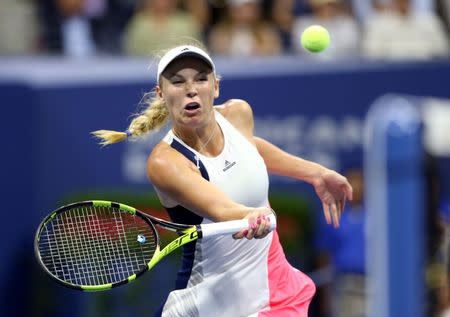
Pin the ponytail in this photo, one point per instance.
(152, 118)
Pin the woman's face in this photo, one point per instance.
(189, 88)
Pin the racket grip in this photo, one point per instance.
(230, 227)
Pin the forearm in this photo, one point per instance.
(221, 209)
(282, 163)
(202, 198)
(332, 188)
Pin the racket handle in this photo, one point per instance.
(230, 227)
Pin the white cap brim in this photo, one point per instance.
(183, 51)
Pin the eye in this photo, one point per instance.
(176, 81)
(202, 78)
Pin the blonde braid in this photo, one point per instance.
(152, 118)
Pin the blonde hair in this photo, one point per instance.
(154, 116)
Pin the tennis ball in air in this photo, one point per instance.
(315, 39)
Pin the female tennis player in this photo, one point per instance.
(210, 167)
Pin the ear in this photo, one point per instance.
(159, 92)
(216, 88)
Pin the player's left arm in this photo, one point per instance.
(332, 188)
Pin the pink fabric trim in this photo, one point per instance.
(290, 290)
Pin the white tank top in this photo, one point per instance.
(239, 171)
(227, 277)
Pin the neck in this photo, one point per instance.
(206, 140)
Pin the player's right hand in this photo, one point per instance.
(259, 224)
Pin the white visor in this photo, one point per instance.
(181, 51)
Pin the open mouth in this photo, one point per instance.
(192, 106)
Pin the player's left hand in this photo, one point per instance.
(333, 190)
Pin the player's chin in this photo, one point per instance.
(194, 119)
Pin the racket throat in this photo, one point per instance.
(189, 236)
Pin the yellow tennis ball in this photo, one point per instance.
(315, 39)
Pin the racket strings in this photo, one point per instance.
(96, 245)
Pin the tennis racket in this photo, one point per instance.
(97, 245)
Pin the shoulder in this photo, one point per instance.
(239, 113)
(165, 163)
(235, 110)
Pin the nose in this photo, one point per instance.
(191, 91)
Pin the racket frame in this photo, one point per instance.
(188, 233)
(95, 203)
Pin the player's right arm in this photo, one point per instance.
(172, 174)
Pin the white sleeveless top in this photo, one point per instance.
(229, 277)
(223, 277)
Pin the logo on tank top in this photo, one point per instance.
(228, 165)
